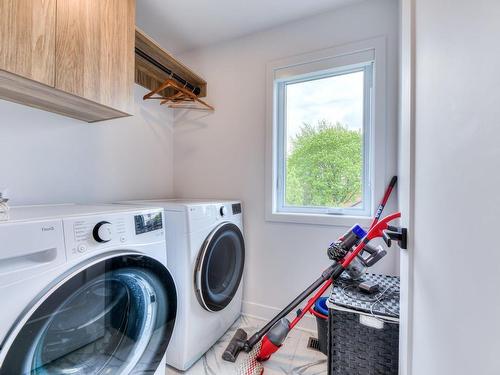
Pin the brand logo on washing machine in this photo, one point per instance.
(48, 229)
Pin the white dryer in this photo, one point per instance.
(206, 254)
(84, 290)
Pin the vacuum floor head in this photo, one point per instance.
(236, 345)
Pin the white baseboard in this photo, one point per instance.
(256, 310)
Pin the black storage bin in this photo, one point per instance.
(322, 324)
(322, 328)
(363, 329)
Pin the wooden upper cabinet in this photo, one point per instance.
(95, 50)
(72, 57)
(27, 38)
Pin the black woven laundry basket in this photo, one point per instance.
(363, 334)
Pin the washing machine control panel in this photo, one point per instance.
(228, 210)
(89, 234)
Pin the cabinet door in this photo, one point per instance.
(27, 38)
(95, 50)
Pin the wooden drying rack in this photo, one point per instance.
(176, 96)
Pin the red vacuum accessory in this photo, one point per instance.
(266, 350)
(273, 340)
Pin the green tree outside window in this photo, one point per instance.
(324, 166)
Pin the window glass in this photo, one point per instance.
(323, 132)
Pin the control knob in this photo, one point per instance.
(102, 232)
(223, 211)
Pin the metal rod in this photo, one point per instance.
(194, 89)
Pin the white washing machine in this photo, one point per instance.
(84, 290)
(206, 254)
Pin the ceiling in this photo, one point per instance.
(182, 25)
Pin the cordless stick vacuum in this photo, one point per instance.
(274, 333)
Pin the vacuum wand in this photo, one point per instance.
(334, 269)
(239, 342)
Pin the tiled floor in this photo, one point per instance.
(293, 358)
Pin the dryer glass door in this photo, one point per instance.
(114, 317)
(219, 267)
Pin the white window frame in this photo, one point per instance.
(280, 87)
(337, 60)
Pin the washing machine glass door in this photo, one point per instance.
(114, 317)
(219, 267)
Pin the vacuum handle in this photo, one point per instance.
(376, 253)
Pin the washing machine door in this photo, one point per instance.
(115, 316)
(219, 267)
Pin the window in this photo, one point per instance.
(322, 137)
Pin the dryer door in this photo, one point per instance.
(115, 316)
(219, 267)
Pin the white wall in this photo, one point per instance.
(47, 158)
(456, 254)
(222, 155)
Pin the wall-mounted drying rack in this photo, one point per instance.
(168, 80)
